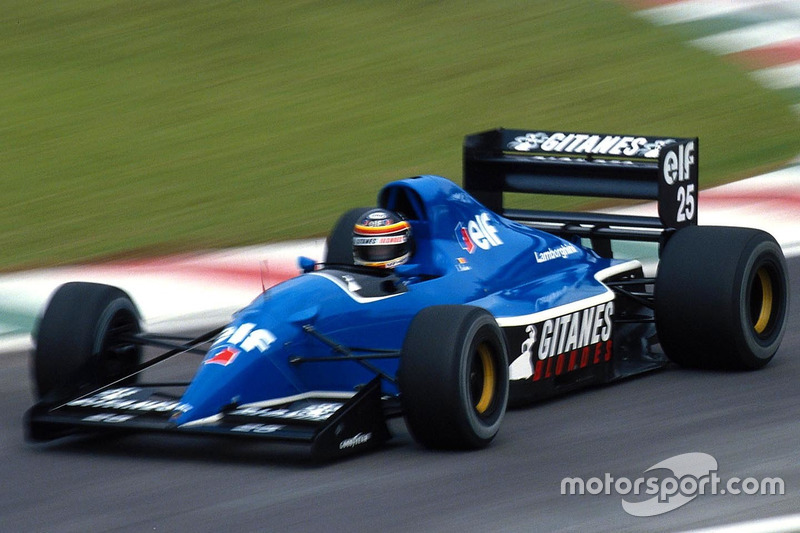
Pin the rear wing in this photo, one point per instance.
(586, 164)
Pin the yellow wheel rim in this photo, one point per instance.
(487, 391)
(766, 301)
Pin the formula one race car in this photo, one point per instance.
(482, 306)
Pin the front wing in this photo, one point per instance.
(332, 425)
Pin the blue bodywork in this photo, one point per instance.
(464, 254)
(322, 358)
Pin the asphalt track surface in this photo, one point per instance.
(747, 421)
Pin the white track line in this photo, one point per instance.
(692, 10)
(781, 524)
(782, 77)
(757, 35)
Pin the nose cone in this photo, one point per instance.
(239, 368)
(249, 361)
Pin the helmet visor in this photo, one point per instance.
(380, 249)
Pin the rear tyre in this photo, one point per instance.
(340, 241)
(721, 297)
(453, 377)
(80, 339)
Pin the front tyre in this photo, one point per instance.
(81, 339)
(453, 377)
(721, 297)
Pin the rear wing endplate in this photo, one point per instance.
(636, 167)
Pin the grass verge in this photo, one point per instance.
(156, 126)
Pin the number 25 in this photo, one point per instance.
(686, 203)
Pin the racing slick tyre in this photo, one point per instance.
(79, 340)
(340, 241)
(721, 297)
(453, 377)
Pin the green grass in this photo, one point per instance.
(140, 127)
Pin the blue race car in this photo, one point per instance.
(440, 305)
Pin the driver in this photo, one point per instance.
(381, 239)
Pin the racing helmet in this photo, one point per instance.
(381, 239)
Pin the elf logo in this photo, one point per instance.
(224, 357)
(235, 339)
(678, 164)
(478, 233)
